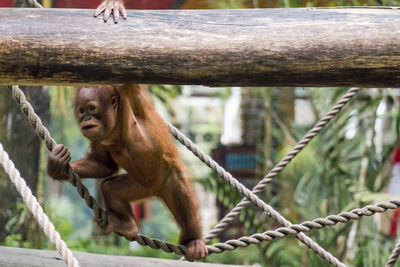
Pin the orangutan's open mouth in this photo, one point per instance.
(87, 127)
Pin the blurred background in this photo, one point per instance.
(247, 130)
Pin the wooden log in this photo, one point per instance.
(43, 258)
(258, 47)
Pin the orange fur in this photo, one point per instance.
(131, 135)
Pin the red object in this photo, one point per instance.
(396, 156)
(395, 220)
(6, 3)
(129, 4)
(392, 189)
(137, 210)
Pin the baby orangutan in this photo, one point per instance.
(126, 132)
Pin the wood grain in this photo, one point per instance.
(20, 257)
(253, 47)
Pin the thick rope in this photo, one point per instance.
(306, 226)
(278, 233)
(224, 222)
(75, 180)
(36, 209)
(217, 248)
(157, 244)
(239, 187)
(394, 256)
(99, 213)
(249, 195)
(44, 134)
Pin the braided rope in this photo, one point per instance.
(99, 213)
(394, 256)
(278, 233)
(249, 194)
(306, 226)
(75, 180)
(44, 134)
(239, 187)
(229, 217)
(217, 248)
(36, 209)
(231, 244)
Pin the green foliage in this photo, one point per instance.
(342, 173)
(335, 172)
(329, 176)
(13, 240)
(221, 188)
(164, 94)
(71, 217)
(373, 248)
(162, 224)
(16, 222)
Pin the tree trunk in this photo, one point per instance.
(23, 146)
